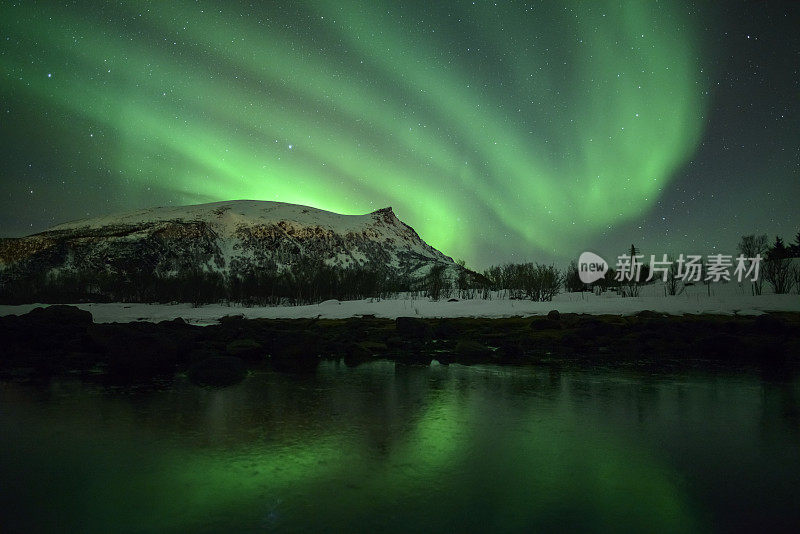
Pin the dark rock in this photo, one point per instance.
(233, 326)
(202, 352)
(573, 340)
(452, 300)
(468, 350)
(80, 360)
(545, 324)
(769, 324)
(178, 321)
(50, 340)
(355, 327)
(655, 324)
(137, 352)
(553, 315)
(413, 327)
(395, 342)
(731, 327)
(648, 314)
(414, 356)
(445, 329)
(719, 346)
(373, 347)
(511, 352)
(61, 314)
(591, 327)
(218, 371)
(246, 348)
(771, 353)
(356, 354)
(298, 357)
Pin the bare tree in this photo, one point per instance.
(629, 286)
(778, 273)
(572, 278)
(673, 285)
(778, 267)
(703, 278)
(464, 285)
(794, 248)
(751, 246)
(436, 282)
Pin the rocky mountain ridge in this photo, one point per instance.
(233, 238)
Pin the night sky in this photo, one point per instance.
(501, 131)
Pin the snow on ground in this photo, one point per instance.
(725, 299)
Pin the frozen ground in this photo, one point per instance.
(724, 299)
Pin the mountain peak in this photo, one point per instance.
(386, 214)
(387, 209)
(232, 238)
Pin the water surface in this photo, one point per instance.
(405, 449)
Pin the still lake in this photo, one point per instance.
(385, 447)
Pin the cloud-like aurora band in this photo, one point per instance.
(483, 127)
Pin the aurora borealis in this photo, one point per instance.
(499, 130)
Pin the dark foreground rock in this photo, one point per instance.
(218, 371)
(62, 340)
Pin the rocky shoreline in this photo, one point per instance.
(63, 340)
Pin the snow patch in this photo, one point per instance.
(727, 303)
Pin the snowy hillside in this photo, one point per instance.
(233, 237)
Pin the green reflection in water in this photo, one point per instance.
(468, 452)
(197, 488)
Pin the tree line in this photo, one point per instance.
(306, 281)
(779, 268)
(311, 280)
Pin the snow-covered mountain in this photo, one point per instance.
(233, 237)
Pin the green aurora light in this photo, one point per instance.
(524, 129)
